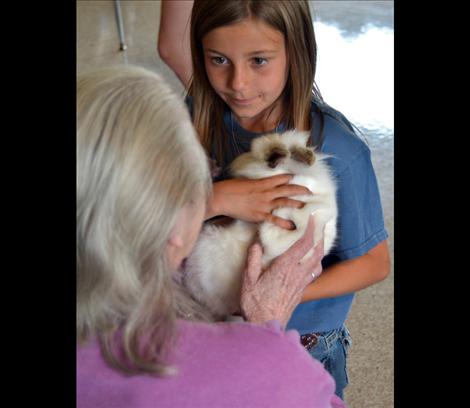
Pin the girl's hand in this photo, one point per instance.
(274, 293)
(254, 200)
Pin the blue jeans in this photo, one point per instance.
(332, 351)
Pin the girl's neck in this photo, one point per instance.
(263, 122)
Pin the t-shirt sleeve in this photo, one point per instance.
(360, 221)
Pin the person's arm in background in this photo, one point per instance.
(173, 37)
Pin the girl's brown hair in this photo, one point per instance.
(294, 21)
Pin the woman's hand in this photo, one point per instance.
(254, 200)
(274, 293)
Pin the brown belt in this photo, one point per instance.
(309, 340)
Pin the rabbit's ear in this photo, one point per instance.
(303, 155)
(276, 155)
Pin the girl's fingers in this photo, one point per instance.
(288, 202)
(275, 181)
(290, 190)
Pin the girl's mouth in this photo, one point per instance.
(242, 102)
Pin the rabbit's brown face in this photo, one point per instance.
(277, 153)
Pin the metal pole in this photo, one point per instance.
(117, 8)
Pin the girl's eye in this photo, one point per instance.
(219, 60)
(260, 61)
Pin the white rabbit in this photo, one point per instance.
(213, 269)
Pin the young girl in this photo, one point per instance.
(253, 73)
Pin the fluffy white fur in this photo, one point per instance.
(213, 270)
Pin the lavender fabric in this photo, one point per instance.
(219, 365)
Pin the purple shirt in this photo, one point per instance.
(219, 365)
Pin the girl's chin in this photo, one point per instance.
(245, 112)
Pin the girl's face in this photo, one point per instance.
(246, 64)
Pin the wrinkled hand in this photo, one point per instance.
(274, 293)
(254, 200)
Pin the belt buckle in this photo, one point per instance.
(309, 340)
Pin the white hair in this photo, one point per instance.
(138, 163)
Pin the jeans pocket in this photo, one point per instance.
(321, 352)
(346, 340)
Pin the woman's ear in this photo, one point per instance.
(185, 231)
(175, 239)
(175, 242)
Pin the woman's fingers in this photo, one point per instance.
(253, 263)
(312, 266)
(300, 248)
(316, 256)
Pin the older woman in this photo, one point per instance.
(142, 185)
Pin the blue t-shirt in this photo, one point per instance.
(360, 219)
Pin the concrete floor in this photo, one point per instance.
(371, 319)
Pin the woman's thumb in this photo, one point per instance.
(253, 262)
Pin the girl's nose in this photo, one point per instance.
(239, 78)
